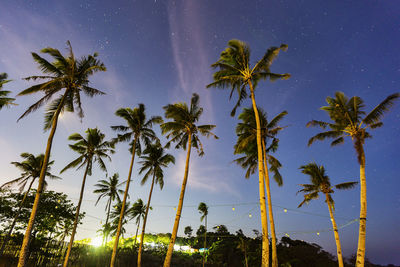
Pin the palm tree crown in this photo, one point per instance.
(109, 188)
(236, 73)
(203, 209)
(92, 148)
(247, 141)
(30, 169)
(65, 73)
(184, 124)
(137, 126)
(137, 210)
(349, 119)
(320, 183)
(115, 217)
(153, 160)
(4, 100)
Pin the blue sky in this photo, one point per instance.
(160, 52)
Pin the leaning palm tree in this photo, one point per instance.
(5, 101)
(137, 212)
(185, 133)
(30, 169)
(92, 148)
(349, 120)
(247, 144)
(203, 210)
(320, 183)
(108, 188)
(139, 129)
(235, 73)
(154, 159)
(64, 79)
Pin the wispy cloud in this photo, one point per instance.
(190, 56)
(210, 178)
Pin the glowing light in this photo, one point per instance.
(317, 233)
(286, 234)
(284, 210)
(233, 208)
(174, 208)
(96, 242)
(185, 248)
(250, 215)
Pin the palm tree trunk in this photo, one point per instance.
(245, 255)
(25, 244)
(121, 216)
(271, 215)
(8, 236)
(137, 230)
(108, 216)
(363, 212)
(205, 240)
(168, 257)
(264, 222)
(139, 260)
(71, 241)
(336, 232)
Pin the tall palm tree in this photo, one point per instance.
(320, 183)
(203, 210)
(234, 72)
(30, 168)
(108, 188)
(247, 144)
(64, 79)
(4, 100)
(139, 129)
(154, 159)
(92, 148)
(137, 212)
(349, 120)
(183, 131)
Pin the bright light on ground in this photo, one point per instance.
(97, 241)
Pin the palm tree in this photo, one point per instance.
(71, 76)
(30, 169)
(137, 128)
(92, 148)
(105, 231)
(235, 73)
(320, 183)
(242, 244)
(153, 162)
(108, 188)
(188, 231)
(203, 210)
(137, 211)
(349, 120)
(247, 144)
(4, 100)
(185, 133)
(115, 218)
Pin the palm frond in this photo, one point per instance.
(377, 113)
(347, 185)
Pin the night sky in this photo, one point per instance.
(160, 52)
